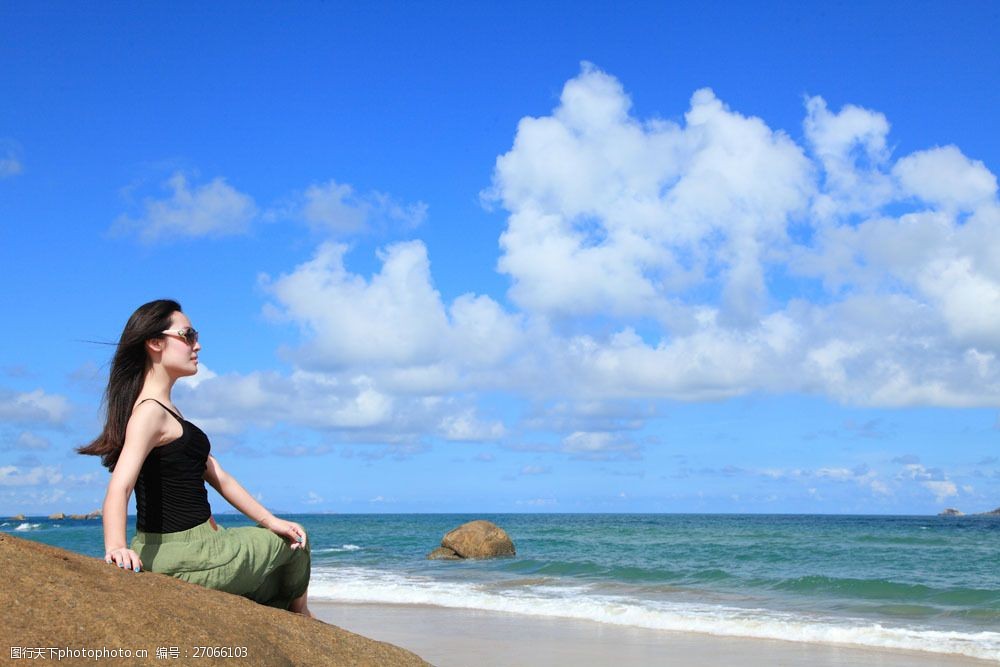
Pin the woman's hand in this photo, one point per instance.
(124, 557)
(289, 530)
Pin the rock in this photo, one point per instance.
(56, 598)
(995, 512)
(96, 514)
(17, 517)
(479, 539)
(951, 511)
(443, 553)
(57, 515)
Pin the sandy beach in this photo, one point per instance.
(461, 637)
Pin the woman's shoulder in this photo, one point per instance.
(157, 406)
(147, 414)
(149, 421)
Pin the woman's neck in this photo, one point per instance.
(158, 384)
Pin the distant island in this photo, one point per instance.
(951, 511)
(58, 516)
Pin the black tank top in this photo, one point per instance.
(170, 493)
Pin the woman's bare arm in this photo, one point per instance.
(145, 430)
(240, 498)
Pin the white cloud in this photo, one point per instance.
(535, 470)
(192, 381)
(33, 407)
(836, 474)
(945, 177)
(307, 399)
(933, 479)
(631, 220)
(52, 496)
(28, 440)
(212, 209)
(918, 471)
(652, 259)
(336, 208)
(593, 415)
(87, 479)
(599, 446)
(363, 408)
(15, 476)
(397, 318)
(879, 488)
(851, 148)
(10, 165)
(969, 300)
(466, 427)
(860, 475)
(942, 489)
(609, 214)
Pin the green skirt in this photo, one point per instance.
(249, 561)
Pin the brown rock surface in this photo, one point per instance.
(479, 539)
(443, 553)
(59, 599)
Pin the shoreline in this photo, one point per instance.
(449, 637)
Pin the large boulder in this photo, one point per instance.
(479, 539)
(56, 598)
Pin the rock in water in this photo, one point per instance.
(951, 511)
(443, 553)
(479, 539)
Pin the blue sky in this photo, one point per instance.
(559, 257)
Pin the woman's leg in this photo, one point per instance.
(299, 605)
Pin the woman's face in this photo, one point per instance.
(179, 356)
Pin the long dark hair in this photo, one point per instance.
(128, 372)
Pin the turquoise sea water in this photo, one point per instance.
(922, 583)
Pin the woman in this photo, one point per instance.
(148, 446)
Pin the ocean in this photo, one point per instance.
(910, 582)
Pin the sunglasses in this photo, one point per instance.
(189, 335)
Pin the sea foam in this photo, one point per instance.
(582, 602)
(340, 549)
(28, 526)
